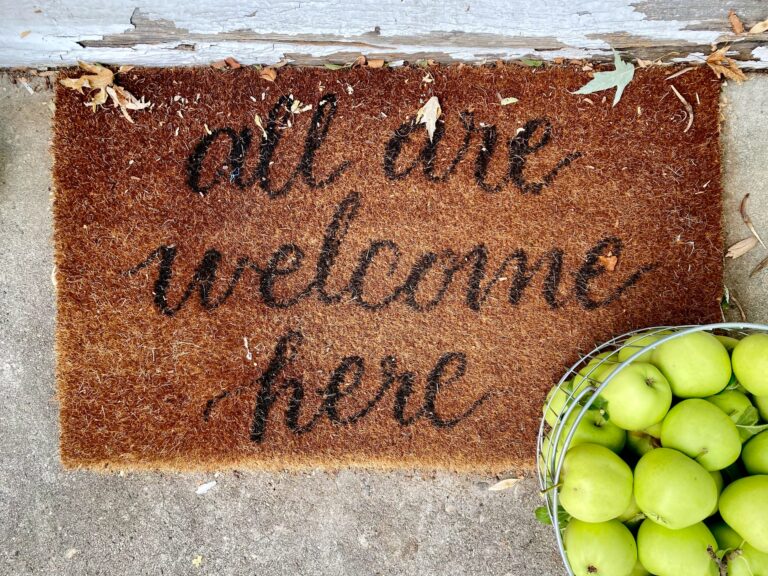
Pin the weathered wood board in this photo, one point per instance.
(48, 33)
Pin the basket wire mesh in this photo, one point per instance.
(550, 454)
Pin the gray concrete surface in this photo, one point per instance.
(353, 522)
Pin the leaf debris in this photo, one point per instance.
(747, 220)
(269, 74)
(735, 21)
(102, 80)
(760, 27)
(504, 484)
(428, 115)
(618, 78)
(609, 261)
(257, 120)
(721, 65)
(204, 488)
(741, 247)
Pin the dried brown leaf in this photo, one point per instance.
(504, 484)
(759, 28)
(25, 33)
(376, 63)
(98, 79)
(747, 220)
(232, 63)
(359, 61)
(124, 100)
(219, 64)
(608, 261)
(644, 63)
(738, 27)
(268, 74)
(721, 65)
(125, 68)
(741, 247)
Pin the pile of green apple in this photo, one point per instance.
(667, 473)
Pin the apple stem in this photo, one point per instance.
(542, 492)
(722, 564)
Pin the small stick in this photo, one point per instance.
(759, 268)
(748, 220)
(680, 72)
(741, 310)
(688, 108)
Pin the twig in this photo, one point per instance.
(760, 267)
(680, 72)
(741, 310)
(688, 108)
(748, 220)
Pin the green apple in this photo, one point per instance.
(683, 552)
(654, 430)
(755, 454)
(744, 559)
(727, 341)
(640, 442)
(638, 342)
(717, 476)
(604, 548)
(750, 363)
(596, 483)
(744, 507)
(726, 536)
(673, 490)
(702, 431)
(732, 402)
(639, 570)
(632, 516)
(556, 402)
(594, 372)
(593, 429)
(697, 364)
(638, 396)
(761, 402)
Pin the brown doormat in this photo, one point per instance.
(293, 274)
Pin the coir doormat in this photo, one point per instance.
(293, 273)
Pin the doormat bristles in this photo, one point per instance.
(298, 273)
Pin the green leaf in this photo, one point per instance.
(542, 515)
(618, 78)
(532, 63)
(749, 417)
(600, 403)
(332, 66)
(747, 432)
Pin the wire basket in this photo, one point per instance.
(549, 461)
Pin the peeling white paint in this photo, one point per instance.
(468, 30)
(761, 54)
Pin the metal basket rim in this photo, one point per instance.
(552, 504)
